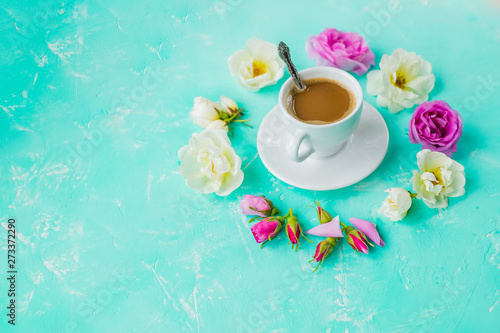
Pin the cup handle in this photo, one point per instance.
(295, 152)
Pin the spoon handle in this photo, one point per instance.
(284, 53)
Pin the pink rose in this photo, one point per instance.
(357, 240)
(323, 215)
(345, 50)
(293, 232)
(323, 249)
(436, 126)
(266, 229)
(357, 237)
(255, 205)
(368, 229)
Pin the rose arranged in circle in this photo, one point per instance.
(436, 126)
(345, 50)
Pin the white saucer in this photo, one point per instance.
(362, 154)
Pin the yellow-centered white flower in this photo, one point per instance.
(440, 177)
(204, 112)
(209, 163)
(397, 204)
(257, 66)
(404, 80)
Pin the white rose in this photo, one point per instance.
(257, 66)
(440, 177)
(204, 112)
(397, 204)
(218, 125)
(210, 164)
(404, 80)
(229, 106)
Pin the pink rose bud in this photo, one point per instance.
(330, 229)
(369, 229)
(255, 205)
(323, 215)
(323, 249)
(357, 240)
(293, 230)
(436, 126)
(345, 50)
(267, 229)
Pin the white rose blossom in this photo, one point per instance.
(397, 204)
(257, 66)
(212, 115)
(404, 80)
(204, 112)
(209, 163)
(440, 177)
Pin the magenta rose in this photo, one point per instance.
(266, 229)
(436, 126)
(345, 50)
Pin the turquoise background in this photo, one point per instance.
(94, 101)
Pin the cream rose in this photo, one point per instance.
(257, 66)
(209, 163)
(204, 112)
(404, 80)
(212, 115)
(440, 177)
(397, 204)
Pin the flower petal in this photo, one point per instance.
(422, 84)
(236, 59)
(229, 184)
(330, 229)
(374, 82)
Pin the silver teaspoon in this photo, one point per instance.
(284, 53)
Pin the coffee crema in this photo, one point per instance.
(323, 101)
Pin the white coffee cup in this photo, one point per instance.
(320, 141)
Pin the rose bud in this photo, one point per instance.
(369, 229)
(255, 205)
(229, 106)
(218, 124)
(267, 229)
(397, 204)
(330, 229)
(204, 112)
(293, 230)
(356, 239)
(323, 249)
(323, 215)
